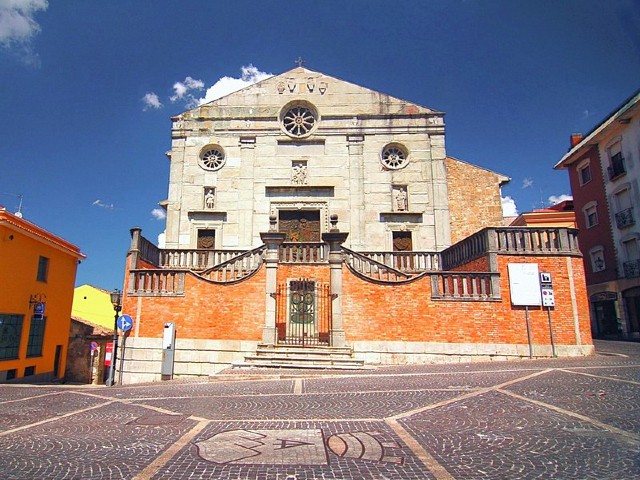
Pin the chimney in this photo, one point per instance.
(576, 138)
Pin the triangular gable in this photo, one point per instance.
(267, 97)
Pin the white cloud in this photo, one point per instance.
(151, 100)
(527, 182)
(183, 91)
(159, 213)
(101, 204)
(18, 27)
(161, 239)
(227, 85)
(555, 199)
(509, 208)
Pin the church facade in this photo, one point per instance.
(314, 221)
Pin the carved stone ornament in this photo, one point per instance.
(323, 87)
(311, 83)
(281, 87)
(299, 173)
(291, 84)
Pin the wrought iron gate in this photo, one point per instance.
(303, 313)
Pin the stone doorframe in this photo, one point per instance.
(273, 239)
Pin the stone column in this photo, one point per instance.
(335, 238)
(272, 239)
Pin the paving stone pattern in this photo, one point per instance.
(540, 419)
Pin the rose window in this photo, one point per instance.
(213, 158)
(298, 121)
(394, 157)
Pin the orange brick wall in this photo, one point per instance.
(206, 311)
(375, 312)
(480, 264)
(320, 273)
(474, 198)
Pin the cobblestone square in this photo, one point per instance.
(540, 419)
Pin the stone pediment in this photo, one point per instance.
(332, 97)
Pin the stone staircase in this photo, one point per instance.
(312, 357)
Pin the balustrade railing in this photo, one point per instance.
(474, 286)
(156, 282)
(192, 259)
(373, 269)
(408, 262)
(234, 269)
(303, 252)
(511, 241)
(536, 240)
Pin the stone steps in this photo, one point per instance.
(317, 357)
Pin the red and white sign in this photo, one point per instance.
(108, 354)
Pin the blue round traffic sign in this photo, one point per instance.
(125, 322)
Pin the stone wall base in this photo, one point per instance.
(407, 353)
(203, 358)
(193, 358)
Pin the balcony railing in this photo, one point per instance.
(631, 268)
(303, 252)
(624, 218)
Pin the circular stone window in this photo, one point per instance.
(394, 156)
(212, 158)
(299, 120)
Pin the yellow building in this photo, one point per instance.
(37, 275)
(94, 305)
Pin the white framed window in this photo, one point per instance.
(616, 166)
(590, 211)
(630, 247)
(584, 172)
(624, 214)
(596, 254)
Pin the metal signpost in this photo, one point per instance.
(548, 300)
(125, 323)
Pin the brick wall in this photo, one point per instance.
(206, 311)
(374, 312)
(378, 312)
(474, 198)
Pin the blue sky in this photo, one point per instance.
(86, 87)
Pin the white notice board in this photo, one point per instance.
(524, 282)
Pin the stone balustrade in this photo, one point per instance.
(303, 252)
(472, 286)
(408, 262)
(366, 266)
(157, 282)
(511, 241)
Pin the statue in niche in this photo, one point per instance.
(400, 199)
(209, 198)
(299, 173)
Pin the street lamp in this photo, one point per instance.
(116, 301)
